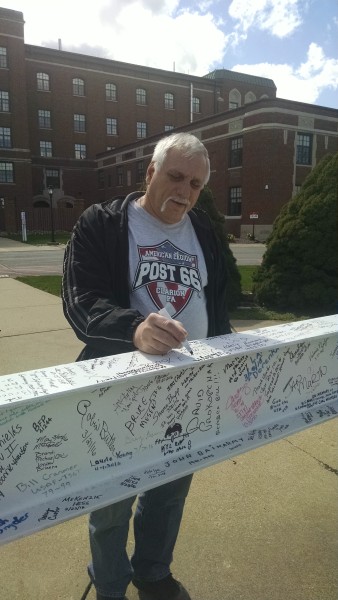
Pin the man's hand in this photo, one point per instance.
(159, 335)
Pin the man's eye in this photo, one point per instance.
(196, 185)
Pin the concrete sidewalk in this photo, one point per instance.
(260, 527)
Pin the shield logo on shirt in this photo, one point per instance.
(169, 274)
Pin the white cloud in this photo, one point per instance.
(304, 83)
(156, 33)
(279, 17)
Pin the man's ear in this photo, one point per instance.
(150, 172)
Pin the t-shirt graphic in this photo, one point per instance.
(169, 274)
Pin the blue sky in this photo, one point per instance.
(294, 42)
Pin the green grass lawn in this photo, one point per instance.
(46, 283)
(246, 276)
(37, 239)
(52, 285)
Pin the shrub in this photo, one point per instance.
(299, 268)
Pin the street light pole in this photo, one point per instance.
(50, 192)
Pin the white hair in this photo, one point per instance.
(187, 143)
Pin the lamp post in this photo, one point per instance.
(50, 192)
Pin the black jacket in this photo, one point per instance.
(95, 291)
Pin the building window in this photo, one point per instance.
(42, 82)
(3, 58)
(141, 96)
(141, 129)
(235, 202)
(5, 137)
(100, 179)
(44, 119)
(304, 149)
(80, 123)
(196, 105)
(46, 149)
(234, 98)
(140, 172)
(168, 127)
(6, 172)
(236, 152)
(111, 126)
(111, 91)
(80, 151)
(168, 100)
(249, 97)
(78, 87)
(4, 101)
(53, 178)
(119, 176)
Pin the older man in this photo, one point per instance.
(125, 261)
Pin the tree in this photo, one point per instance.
(206, 202)
(299, 269)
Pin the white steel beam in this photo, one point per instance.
(77, 437)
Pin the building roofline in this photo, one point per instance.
(42, 53)
(224, 74)
(232, 114)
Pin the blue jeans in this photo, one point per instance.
(157, 521)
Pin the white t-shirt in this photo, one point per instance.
(167, 269)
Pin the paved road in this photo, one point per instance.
(248, 254)
(31, 262)
(20, 259)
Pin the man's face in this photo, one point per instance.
(173, 189)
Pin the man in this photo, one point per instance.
(125, 261)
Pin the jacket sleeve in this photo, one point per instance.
(91, 289)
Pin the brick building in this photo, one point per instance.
(260, 155)
(85, 127)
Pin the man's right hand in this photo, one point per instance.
(159, 335)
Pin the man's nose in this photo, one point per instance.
(183, 189)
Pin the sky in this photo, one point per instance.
(293, 42)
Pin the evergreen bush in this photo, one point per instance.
(299, 270)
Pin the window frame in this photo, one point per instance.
(78, 86)
(5, 137)
(4, 101)
(46, 148)
(235, 205)
(236, 152)
(119, 176)
(111, 92)
(3, 57)
(80, 151)
(4, 171)
(141, 130)
(42, 82)
(304, 151)
(140, 171)
(141, 96)
(196, 105)
(169, 101)
(53, 178)
(79, 123)
(44, 120)
(111, 126)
